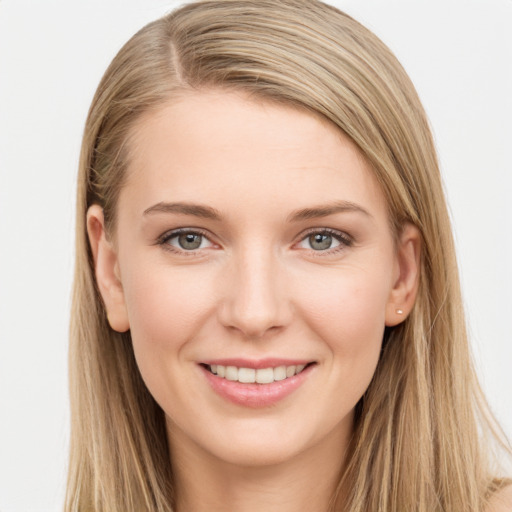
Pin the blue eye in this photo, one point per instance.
(325, 240)
(322, 241)
(186, 240)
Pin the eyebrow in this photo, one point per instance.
(207, 212)
(326, 210)
(197, 210)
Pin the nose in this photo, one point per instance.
(255, 300)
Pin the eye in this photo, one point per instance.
(186, 240)
(325, 240)
(321, 241)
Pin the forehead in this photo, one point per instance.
(228, 149)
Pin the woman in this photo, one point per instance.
(267, 312)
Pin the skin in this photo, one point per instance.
(255, 288)
(502, 502)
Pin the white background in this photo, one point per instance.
(52, 55)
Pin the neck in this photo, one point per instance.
(305, 482)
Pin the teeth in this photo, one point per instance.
(246, 375)
(290, 371)
(261, 375)
(231, 373)
(265, 375)
(280, 373)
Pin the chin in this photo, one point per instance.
(258, 453)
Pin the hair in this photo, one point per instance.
(423, 434)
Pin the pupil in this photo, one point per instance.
(320, 242)
(190, 241)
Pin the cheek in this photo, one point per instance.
(351, 301)
(166, 307)
(348, 316)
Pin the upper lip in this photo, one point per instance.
(268, 362)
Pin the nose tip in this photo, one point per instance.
(253, 324)
(255, 303)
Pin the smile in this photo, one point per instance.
(253, 375)
(256, 384)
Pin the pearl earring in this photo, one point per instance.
(399, 312)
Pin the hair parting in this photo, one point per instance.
(423, 415)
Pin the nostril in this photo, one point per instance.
(253, 303)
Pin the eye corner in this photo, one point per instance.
(198, 241)
(330, 241)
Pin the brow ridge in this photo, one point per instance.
(197, 210)
(207, 212)
(326, 210)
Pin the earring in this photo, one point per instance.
(399, 312)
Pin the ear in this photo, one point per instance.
(107, 270)
(403, 294)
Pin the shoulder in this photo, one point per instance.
(501, 501)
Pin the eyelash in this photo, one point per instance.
(164, 239)
(343, 238)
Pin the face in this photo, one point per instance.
(255, 267)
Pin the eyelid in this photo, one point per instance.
(341, 236)
(345, 240)
(163, 239)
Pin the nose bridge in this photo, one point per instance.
(255, 301)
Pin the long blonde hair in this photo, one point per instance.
(420, 427)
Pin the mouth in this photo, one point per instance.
(256, 375)
(256, 384)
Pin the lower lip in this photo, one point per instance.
(256, 395)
